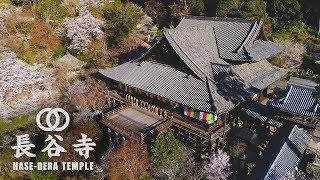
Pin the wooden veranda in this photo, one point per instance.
(134, 122)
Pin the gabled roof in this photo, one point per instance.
(197, 47)
(235, 37)
(290, 155)
(68, 61)
(259, 74)
(279, 160)
(203, 44)
(299, 100)
(172, 84)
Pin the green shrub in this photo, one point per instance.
(17, 2)
(280, 36)
(14, 124)
(237, 149)
(42, 174)
(59, 52)
(277, 60)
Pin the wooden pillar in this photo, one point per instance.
(224, 129)
(109, 136)
(260, 94)
(210, 144)
(117, 140)
(141, 137)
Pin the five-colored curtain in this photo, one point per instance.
(202, 116)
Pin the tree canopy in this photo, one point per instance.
(254, 8)
(168, 156)
(120, 20)
(129, 161)
(285, 14)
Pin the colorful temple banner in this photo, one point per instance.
(202, 116)
(130, 89)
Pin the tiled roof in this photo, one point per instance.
(235, 37)
(259, 74)
(290, 155)
(203, 44)
(302, 82)
(230, 34)
(262, 113)
(261, 50)
(172, 84)
(299, 100)
(68, 61)
(197, 47)
(279, 160)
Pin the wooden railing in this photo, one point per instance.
(122, 130)
(307, 122)
(203, 127)
(117, 110)
(160, 126)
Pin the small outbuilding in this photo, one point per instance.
(68, 62)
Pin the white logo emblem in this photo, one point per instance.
(55, 112)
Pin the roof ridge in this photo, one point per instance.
(249, 36)
(301, 86)
(226, 19)
(198, 68)
(205, 27)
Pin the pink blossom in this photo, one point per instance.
(219, 167)
(82, 30)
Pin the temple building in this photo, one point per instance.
(283, 155)
(198, 72)
(298, 103)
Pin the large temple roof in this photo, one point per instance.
(197, 47)
(235, 37)
(169, 83)
(208, 47)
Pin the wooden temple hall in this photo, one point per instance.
(191, 78)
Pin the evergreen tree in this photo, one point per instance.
(196, 7)
(168, 156)
(120, 20)
(228, 8)
(286, 15)
(40, 174)
(253, 8)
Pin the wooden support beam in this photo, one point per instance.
(224, 129)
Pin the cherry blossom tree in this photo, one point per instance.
(219, 167)
(90, 97)
(82, 30)
(294, 175)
